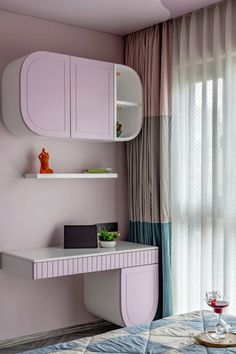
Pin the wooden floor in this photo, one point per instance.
(20, 345)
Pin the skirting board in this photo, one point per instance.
(83, 328)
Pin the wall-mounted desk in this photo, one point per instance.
(120, 284)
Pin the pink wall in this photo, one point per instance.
(33, 212)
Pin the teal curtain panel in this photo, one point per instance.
(148, 155)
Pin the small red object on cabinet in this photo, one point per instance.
(44, 157)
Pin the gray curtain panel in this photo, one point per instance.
(149, 53)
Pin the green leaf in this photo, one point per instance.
(105, 235)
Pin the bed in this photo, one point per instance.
(171, 335)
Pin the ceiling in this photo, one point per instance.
(113, 16)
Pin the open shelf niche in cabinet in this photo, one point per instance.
(129, 102)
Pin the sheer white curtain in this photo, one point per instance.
(203, 158)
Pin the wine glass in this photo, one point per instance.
(218, 302)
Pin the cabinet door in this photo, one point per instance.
(45, 94)
(92, 99)
(139, 294)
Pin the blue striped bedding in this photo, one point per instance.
(171, 335)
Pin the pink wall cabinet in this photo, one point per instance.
(92, 99)
(36, 95)
(55, 95)
(126, 297)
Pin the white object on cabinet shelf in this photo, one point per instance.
(126, 104)
(55, 95)
(70, 175)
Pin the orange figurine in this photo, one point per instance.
(44, 157)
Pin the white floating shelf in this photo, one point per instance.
(127, 104)
(70, 175)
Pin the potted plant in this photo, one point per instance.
(107, 238)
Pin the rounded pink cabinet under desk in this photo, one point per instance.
(126, 297)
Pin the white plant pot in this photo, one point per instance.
(107, 244)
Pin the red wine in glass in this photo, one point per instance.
(217, 302)
(218, 305)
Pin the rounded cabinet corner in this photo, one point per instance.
(45, 94)
(129, 103)
(139, 294)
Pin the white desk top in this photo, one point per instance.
(56, 253)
